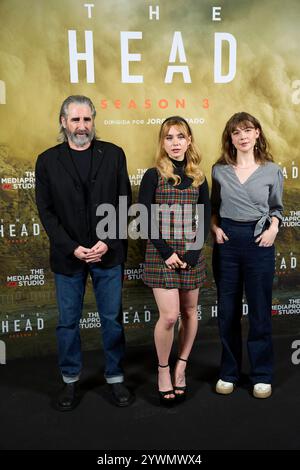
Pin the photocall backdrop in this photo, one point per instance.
(139, 61)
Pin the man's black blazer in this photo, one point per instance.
(63, 207)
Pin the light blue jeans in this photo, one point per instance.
(70, 289)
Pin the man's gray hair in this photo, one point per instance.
(77, 99)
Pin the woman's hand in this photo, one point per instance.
(267, 238)
(219, 235)
(174, 262)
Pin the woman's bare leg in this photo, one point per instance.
(168, 306)
(187, 331)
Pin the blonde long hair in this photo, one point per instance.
(193, 157)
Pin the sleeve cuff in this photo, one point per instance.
(278, 215)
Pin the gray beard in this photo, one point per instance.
(81, 140)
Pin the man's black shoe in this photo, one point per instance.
(121, 395)
(68, 397)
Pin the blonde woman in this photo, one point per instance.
(173, 270)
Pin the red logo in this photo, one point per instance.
(11, 284)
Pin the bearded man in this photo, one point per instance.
(72, 180)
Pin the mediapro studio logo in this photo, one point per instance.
(2, 353)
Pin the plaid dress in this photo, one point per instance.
(156, 273)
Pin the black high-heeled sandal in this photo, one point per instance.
(180, 396)
(162, 395)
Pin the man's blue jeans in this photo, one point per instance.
(70, 289)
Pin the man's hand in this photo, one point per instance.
(81, 252)
(96, 252)
(91, 255)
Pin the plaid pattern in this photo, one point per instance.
(156, 273)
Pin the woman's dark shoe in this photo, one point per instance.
(181, 390)
(166, 398)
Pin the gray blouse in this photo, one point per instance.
(258, 198)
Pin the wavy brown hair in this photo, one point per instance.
(193, 156)
(261, 150)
